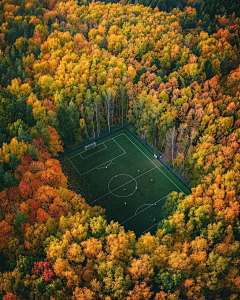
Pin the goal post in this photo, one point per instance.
(90, 146)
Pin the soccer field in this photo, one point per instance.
(117, 175)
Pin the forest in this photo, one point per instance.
(68, 71)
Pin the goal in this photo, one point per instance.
(90, 146)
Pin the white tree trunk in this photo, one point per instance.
(93, 125)
(122, 98)
(173, 140)
(97, 117)
(108, 106)
(112, 110)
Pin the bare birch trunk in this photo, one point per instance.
(93, 126)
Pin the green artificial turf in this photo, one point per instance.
(129, 165)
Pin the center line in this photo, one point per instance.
(123, 185)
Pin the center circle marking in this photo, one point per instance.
(114, 177)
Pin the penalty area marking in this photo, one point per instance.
(95, 152)
(124, 184)
(142, 206)
(143, 210)
(118, 143)
(79, 154)
(152, 226)
(101, 166)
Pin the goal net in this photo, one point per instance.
(90, 146)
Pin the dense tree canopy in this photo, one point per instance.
(70, 69)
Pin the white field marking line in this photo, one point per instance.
(143, 210)
(119, 145)
(154, 163)
(110, 161)
(125, 195)
(122, 185)
(84, 152)
(152, 226)
(100, 165)
(103, 164)
(142, 206)
(97, 145)
(74, 166)
(95, 152)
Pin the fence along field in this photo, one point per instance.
(120, 175)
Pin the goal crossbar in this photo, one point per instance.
(90, 146)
